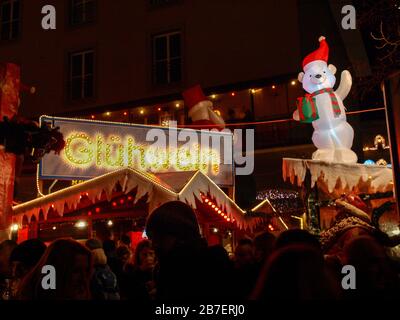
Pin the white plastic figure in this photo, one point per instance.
(323, 107)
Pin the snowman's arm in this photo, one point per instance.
(345, 85)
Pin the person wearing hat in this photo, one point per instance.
(351, 220)
(200, 110)
(103, 284)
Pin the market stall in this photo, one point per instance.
(132, 194)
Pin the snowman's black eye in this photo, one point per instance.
(324, 72)
(310, 75)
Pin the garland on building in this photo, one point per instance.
(24, 137)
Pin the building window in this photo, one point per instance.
(81, 75)
(10, 19)
(167, 58)
(82, 11)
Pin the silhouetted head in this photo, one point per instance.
(6, 247)
(72, 262)
(263, 246)
(244, 253)
(144, 255)
(25, 256)
(109, 248)
(374, 271)
(296, 236)
(126, 240)
(170, 225)
(124, 254)
(295, 272)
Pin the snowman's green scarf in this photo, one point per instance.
(307, 107)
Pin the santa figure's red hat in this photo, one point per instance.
(352, 213)
(200, 109)
(322, 53)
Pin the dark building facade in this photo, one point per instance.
(129, 61)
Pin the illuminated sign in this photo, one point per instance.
(96, 147)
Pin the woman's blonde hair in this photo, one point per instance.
(99, 257)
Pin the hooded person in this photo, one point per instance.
(103, 284)
(200, 110)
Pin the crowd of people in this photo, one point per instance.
(175, 263)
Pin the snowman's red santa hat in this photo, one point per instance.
(322, 53)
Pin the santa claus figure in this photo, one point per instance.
(200, 110)
(352, 219)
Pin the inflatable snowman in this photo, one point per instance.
(323, 107)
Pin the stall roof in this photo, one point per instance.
(339, 178)
(160, 188)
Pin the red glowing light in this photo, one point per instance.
(97, 210)
(89, 213)
(159, 109)
(233, 94)
(130, 198)
(121, 201)
(125, 113)
(114, 204)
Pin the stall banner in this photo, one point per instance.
(9, 102)
(94, 148)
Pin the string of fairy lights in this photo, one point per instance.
(178, 104)
(217, 209)
(282, 200)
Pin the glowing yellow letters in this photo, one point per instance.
(83, 151)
